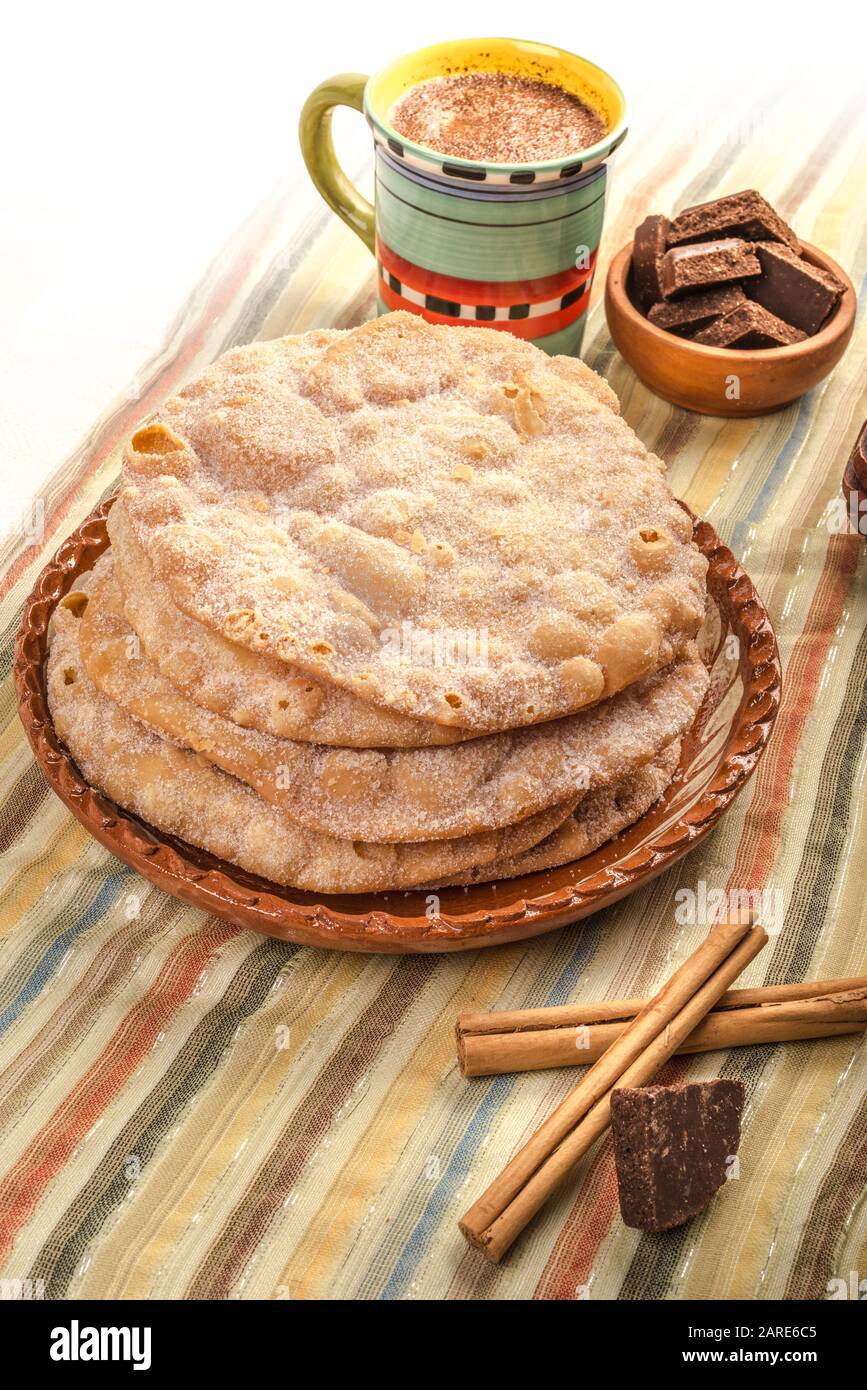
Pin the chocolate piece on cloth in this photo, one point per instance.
(648, 249)
(746, 215)
(705, 264)
(790, 287)
(749, 326)
(858, 457)
(672, 1145)
(690, 315)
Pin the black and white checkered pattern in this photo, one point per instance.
(480, 313)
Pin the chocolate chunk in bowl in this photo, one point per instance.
(748, 325)
(702, 265)
(688, 316)
(745, 214)
(648, 249)
(799, 293)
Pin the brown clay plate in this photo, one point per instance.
(719, 754)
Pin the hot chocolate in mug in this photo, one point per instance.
(467, 241)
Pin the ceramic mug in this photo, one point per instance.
(506, 246)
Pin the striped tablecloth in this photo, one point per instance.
(188, 1110)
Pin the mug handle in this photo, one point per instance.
(317, 147)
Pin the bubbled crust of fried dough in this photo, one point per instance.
(398, 794)
(181, 794)
(250, 688)
(309, 496)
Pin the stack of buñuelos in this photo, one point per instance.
(399, 606)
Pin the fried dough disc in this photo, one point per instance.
(184, 795)
(398, 795)
(598, 818)
(251, 688)
(444, 521)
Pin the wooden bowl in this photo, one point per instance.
(700, 378)
(719, 754)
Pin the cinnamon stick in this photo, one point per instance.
(502, 1212)
(607, 1011)
(493, 1043)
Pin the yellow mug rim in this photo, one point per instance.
(380, 90)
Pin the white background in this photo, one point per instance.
(136, 137)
